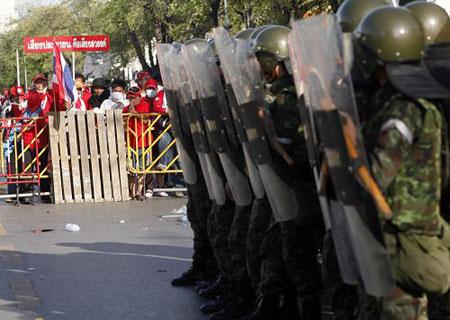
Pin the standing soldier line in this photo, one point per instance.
(356, 146)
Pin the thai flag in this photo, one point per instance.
(63, 83)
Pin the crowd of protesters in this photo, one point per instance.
(143, 96)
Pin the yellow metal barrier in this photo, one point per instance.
(9, 125)
(143, 132)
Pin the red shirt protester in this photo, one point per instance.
(40, 101)
(154, 98)
(17, 110)
(138, 125)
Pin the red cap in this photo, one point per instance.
(141, 75)
(39, 77)
(134, 92)
(151, 83)
(17, 91)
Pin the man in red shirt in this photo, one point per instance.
(139, 139)
(40, 101)
(82, 95)
(14, 107)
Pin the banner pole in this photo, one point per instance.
(73, 65)
(18, 67)
(25, 72)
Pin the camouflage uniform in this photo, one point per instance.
(258, 225)
(299, 238)
(222, 218)
(198, 209)
(405, 141)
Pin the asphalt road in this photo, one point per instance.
(109, 270)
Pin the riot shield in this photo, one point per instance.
(182, 135)
(332, 211)
(331, 99)
(204, 75)
(241, 70)
(227, 54)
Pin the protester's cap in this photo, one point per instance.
(100, 83)
(141, 75)
(151, 83)
(119, 83)
(134, 92)
(17, 91)
(39, 77)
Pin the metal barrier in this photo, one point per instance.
(76, 144)
(143, 147)
(16, 167)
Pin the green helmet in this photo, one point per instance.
(351, 12)
(392, 34)
(198, 44)
(244, 34)
(271, 46)
(257, 31)
(434, 19)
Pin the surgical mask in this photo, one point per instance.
(117, 96)
(151, 93)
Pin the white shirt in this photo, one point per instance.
(108, 104)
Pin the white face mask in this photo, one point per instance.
(151, 93)
(117, 96)
(42, 91)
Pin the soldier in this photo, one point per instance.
(404, 136)
(199, 204)
(300, 237)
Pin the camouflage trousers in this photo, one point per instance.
(222, 218)
(198, 212)
(290, 257)
(259, 223)
(240, 281)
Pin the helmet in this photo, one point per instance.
(444, 4)
(199, 45)
(351, 12)
(271, 46)
(257, 31)
(244, 34)
(434, 19)
(392, 34)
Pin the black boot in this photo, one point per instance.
(214, 290)
(203, 285)
(216, 305)
(189, 278)
(267, 309)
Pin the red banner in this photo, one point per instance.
(66, 43)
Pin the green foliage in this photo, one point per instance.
(135, 25)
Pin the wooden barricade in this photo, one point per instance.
(88, 155)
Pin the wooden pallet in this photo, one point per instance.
(88, 154)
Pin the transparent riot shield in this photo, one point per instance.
(242, 69)
(331, 99)
(227, 55)
(189, 115)
(203, 74)
(185, 146)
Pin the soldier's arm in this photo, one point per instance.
(399, 129)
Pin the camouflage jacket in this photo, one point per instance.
(282, 100)
(404, 138)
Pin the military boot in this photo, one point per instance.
(233, 311)
(189, 278)
(267, 309)
(216, 305)
(214, 290)
(203, 285)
